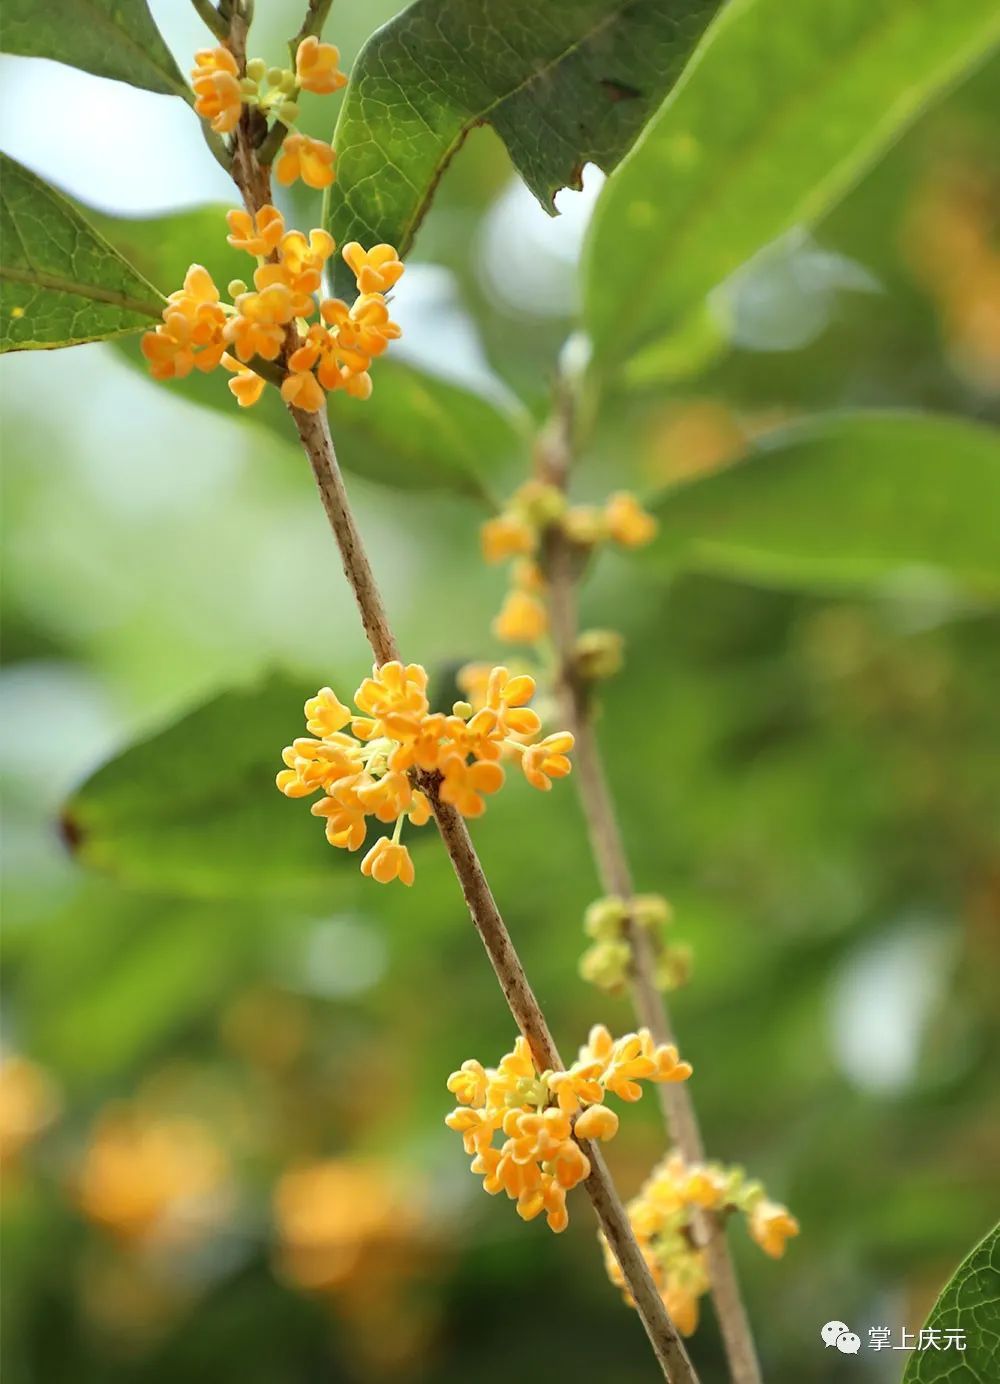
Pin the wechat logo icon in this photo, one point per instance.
(839, 1334)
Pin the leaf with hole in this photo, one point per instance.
(564, 84)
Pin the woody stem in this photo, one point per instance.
(314, 433)
(555, 454)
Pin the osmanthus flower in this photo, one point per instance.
(306, 158)
(663, 1218)
(537, 508)
(221, 91)
(192, 334)
(274, 321)
(376, 270)
(542, 1117)
(317, 67)
(215, 80)
(389, 758)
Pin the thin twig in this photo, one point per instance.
(555, 455)
(314, 434)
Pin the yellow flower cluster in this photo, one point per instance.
(543, 1115)
(607, 960)
(373, 769)
(149, 1178)
(517, 533)
(663, 1215)
(221, 92)
(29, 1103)
(270, 322)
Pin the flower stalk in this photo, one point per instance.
(553, 463)
(253, 181)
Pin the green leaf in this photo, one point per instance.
(563, 84)
(111, 38)
(776, 116)
(61, 283)
(416, 432)
(970, 1303)
(845, 501)
(193, 811)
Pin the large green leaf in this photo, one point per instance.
(970, 1304)
(416, 431)
(193, 811)
(563, 84)
(845, 501)
(111, 38)
(61, 283)
(777, 114)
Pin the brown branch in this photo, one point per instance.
(314, 434)
(562, 567)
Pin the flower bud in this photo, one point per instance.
(275, 76)
(288, 112)
(605, 918)
(673, 968)
(605, 964)
(652, 911)
(248, 87)
(256, 69)
(584, 525)
(598, 654)
(540, 503)
(235, 287)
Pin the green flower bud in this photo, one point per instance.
(248, 88)
(604, 919)
(652, 911)
(256, 69)
(673, 968)
(598, 654)
(235, 287)
(605, 964)
(275, 76)
(288, 112)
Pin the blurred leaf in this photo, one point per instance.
(193, 811)
(776, 117)
(969, 1303)
(845, 501)
(61, 283)
(117, 974)
(569, 85)
(111, 38)
(416, 432)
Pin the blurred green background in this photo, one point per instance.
(223, 1105)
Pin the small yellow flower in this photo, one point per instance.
(317, 67)
(376, 270)
(246, 386)
(771, 1225)
(301, 389)
(627, 522)
(522, 620)
(257, 235)
(597, 1123)
(216, 84)
(309, 159)
(388, 860)
(547, 760)
(507, 535)
(326, 713)
(463, 785)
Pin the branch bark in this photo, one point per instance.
(554, 462)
